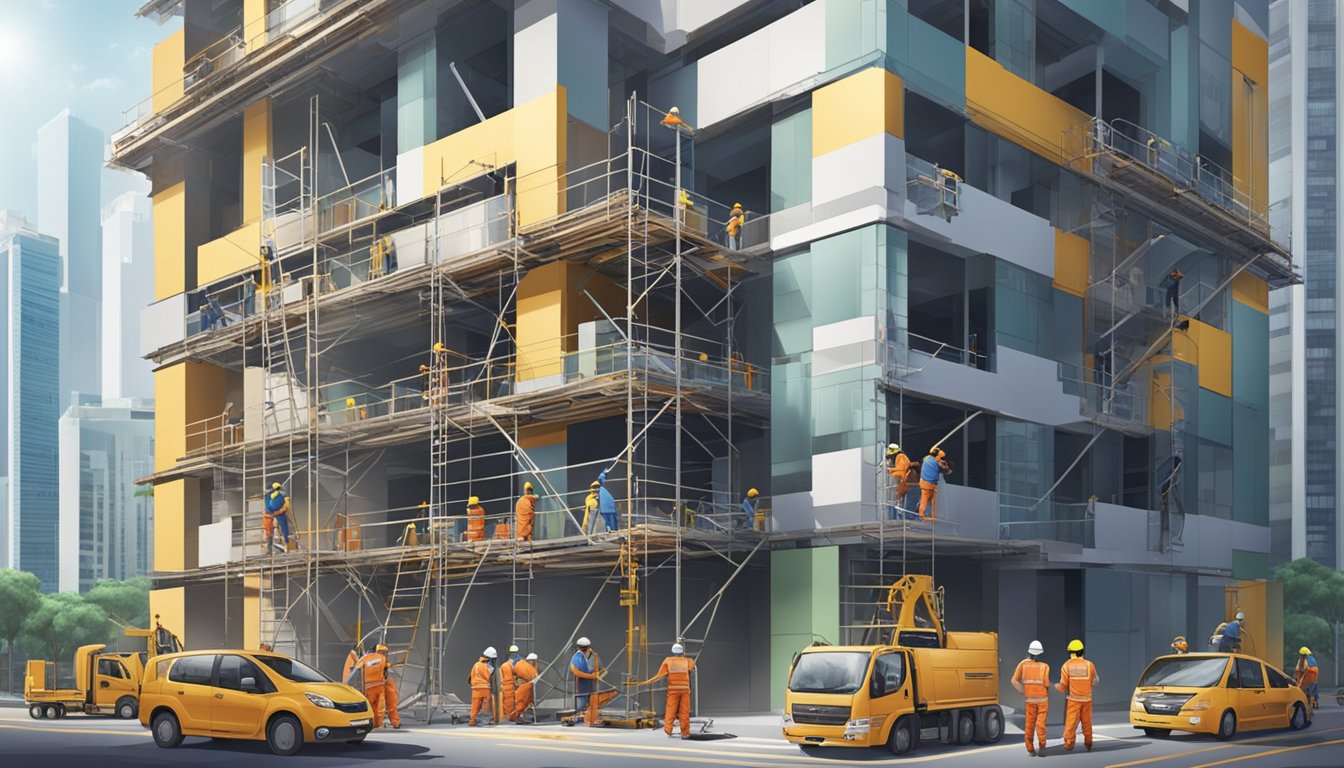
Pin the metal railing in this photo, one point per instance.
(1021, 518)
(932, 189)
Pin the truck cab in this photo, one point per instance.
(105, 682)
(918, 682)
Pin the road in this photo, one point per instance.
(104, 743)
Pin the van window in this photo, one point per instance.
(1250, 674)
(197, 670)
(161, 668)
(232, 670)
(888, 674)
(1277, 679)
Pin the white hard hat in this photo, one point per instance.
(531, 657)
(678, 648)
(1240, 616)
(1035, 649)
(491, 653)
(582, 642)
(893, 447)
(513, 649)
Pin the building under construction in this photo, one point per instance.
(410, 253)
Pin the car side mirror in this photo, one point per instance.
(250, 684)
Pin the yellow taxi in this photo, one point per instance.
(261, 696)
(1216, 693)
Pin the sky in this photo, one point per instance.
(89, 56)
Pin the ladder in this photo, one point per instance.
(440, 531)
(521, 624)
(404, 606)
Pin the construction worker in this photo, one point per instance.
(677, 669)
(590, 513)
(1179, 645)
(1032, 680)
(507, 683)
(524, 512)
(1307, 673)
(1231, 634)
(930, 472)
(1076, 679)
(379, 686)
(606, 503)
(266, 648)
(737, 219)
(525, 677)
(749, 513)
(475, 520)
(1173, 284)
(899, 466)
(481, 674)
(276, 513)
(587, 670)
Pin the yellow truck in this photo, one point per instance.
(105, 683)
(923, 684)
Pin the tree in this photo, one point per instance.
(20, 595)
(1310, 590)
(63, 622)
(126, 602)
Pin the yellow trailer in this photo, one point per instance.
(924, 684)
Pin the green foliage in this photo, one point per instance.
(19, 598)
(126, 601)
(1313, 607)
(63, 622)
(1299, 629)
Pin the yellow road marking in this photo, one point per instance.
(1247, 743)
(68, 729)
(1259, 755)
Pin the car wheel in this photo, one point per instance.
(35, 711)
(1227, 726)
(167, 732)
(126, 708)
(990, 727)
(965, 728)
(902, 738)
(1157, 733)
(284, 735)
(358, 741)
(51, 713)
(1299, 720)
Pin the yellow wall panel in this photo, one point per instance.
(864, 104)
(170, 502)
(1160, 396)
(1250, 116)
(542, 434)
(1013, 108)
(237, 251)
(251, 610)
(256, 148)
(553, 300)
(1211, 350)
(170, 55)
(254, 24)
(1251, 291)
(170, 416)
(1073, 259)
(170, 241)
(170, 605)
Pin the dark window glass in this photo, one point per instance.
(234, 669)
(197, 670)
(1277, 679)
(294, 670)
(888, 674)
(1250, 674)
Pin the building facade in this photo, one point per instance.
(128, 287)
(105, 518)
(30, 320)
(1033, 235)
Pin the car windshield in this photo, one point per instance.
(1186, 672)
(829, 672)
(294, 670)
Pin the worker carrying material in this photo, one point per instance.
(1307, 673)
(750, 517)
(1077, 678)
(379, 687)
(507, 684)
(524, 677)
(525, 513)
(480, 677)
(276, 514)
(677, 669)
(475, 520)
(590, 513)
(1032, 680)
(606, 503)
(934, 468)
(737, 219)
(587, 670)
(1228, 635)
(1179, 645)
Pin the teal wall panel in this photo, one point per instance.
(804, 602)
(1250, 356)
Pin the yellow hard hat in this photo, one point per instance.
(1075, 646)
(438, 347)
(595, 485)
(737, 205)
(1180, 644)
(473, 501)
(753, 492)
(527, 487)
(380, 648)
(1304, 651)
(275, 486)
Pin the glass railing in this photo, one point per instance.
(1031, 520)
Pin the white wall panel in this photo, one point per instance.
(213, 547)
(410, 178)
(837, 477)
(877, 161)
(1025, 387)
(847, 344)
(980, 226)
(163, 323)
(748, 71)
(536, 57)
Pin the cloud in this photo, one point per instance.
(76, 67)
(48, 5)
(101, 84)
(139, 52)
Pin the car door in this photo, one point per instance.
(1253, 702)
(888, 691)
(190, 684)
(241, 697)
(1279, 706)
(111, 682)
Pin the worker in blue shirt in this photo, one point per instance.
(1231, 642)
(277, 513)
(748, 518)
(934, 468)
(606, 503)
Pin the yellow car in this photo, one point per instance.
(1216, 693)
(248, 695)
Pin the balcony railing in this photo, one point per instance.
(1028, 519)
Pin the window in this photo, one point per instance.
(1187, 672)
(197, 670)
(829, 672)
(112, 668)
(294, 670)
(234, 669)
(1249, 674)
(888, 674)
(1277, 679)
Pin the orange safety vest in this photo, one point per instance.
(480, 675)
(678, 672)
(475, 523)
(1035, 679)
(374, 667)
(1077, 677)
(736, 221)
(900, 466)
(526, 508)
(524, 672)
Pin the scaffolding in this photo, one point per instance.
(337, 266)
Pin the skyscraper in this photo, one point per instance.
(128, 287)
(69, 183)
(30, 325)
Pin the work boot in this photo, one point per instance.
(1040, 752)
(1089, 747)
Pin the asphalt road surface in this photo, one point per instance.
(103, 743)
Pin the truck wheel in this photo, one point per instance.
(126, 708)
(50, 712)
(903, 736)
(60, 711)
(989, 728)
(167, 732)
(965, 728)
(284, 735)
(35, 711)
